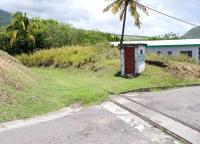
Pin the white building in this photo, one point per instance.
(189, 47)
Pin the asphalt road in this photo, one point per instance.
(94, 125)
(182, 103)
(97, 125)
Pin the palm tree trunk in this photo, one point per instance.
(123, 27)
(122, 39)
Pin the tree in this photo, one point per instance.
(122, 6)
(21, 30)
(169, 36)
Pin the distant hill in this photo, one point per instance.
(133, 37)
(5, 17)
(194, 33)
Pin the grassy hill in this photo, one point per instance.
(5, 17)
(194, 33)
(14, 79)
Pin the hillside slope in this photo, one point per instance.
(13, 77)
(5, 17)
(194, 33)
(134, 37)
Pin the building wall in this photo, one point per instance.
(175, 50)
(140, 59)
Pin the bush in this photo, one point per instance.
(4, 41)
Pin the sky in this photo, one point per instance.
(88, 14)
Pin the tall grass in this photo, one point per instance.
(76, 56)
(103, 57)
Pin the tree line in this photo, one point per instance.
(169, 36)
(25, 35)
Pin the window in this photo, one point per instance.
(187, 53)
(169, 53)
(141, 52)
(199, 52)
(158, 52)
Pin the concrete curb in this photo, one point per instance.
(161, 88)
(38, 119)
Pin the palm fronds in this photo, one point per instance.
(133, 6)
(21, 27)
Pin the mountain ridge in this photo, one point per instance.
(194, 33)
(5, 17)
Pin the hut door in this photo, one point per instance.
(129, 61)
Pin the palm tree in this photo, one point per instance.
(20, 27)
(122, 6)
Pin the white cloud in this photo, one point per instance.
(88, 14)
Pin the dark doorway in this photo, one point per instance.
(129, 61)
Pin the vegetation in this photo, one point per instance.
(92, 57)
(194, 33)
(26, 35)
(29, 92)
(169, 36)
(122, 6)
(179, 66)
(79, 71)
(14, 77)
(97, 57)
(22, 39)
(49, 89)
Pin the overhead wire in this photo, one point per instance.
(167, 15)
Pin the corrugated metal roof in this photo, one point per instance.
(157, 43)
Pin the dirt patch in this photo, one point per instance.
(13, 73)
(156, 63)
(178, 69)
(182, 69)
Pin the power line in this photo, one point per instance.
(168, 15)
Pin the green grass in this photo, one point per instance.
(57, 88)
